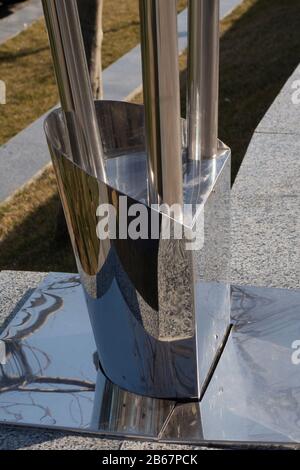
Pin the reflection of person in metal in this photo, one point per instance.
(2, 92)
(2, 353)
(296, 353)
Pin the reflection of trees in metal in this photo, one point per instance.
(23, 378)
(26, 364)
(90, 14)
(33, 317)
(124, 412)
(245, 302)
(32, 323)
(68, 283)
(12, 410)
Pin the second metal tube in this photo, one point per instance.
(74, 85)
(162, 100)
(203, 79)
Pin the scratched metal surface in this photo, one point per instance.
(51, 378)
(254, 394)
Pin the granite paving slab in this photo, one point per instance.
(12, 438)
(284, 115)
(266, 213)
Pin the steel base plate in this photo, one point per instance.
(51, 378)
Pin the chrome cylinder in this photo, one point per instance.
(157, 306)
(162, 100)
(74, 85)
(203, 79)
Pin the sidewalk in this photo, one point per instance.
(266, 199)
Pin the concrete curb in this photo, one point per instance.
(266, 199)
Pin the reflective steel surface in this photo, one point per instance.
(72, 75)
(51, 378)
(254, 394)
(156, 325)
(161, 88)
(203, 78)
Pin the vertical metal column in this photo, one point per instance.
(159, 43)
(203, 78)
(74, 85)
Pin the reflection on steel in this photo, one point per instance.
(161, 314)
(74, 84)
(158, 310)
(50, 378)
(203, 78)
(254, 394)
(162, 100)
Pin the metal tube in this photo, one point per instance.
(74, 85)
(159, 43)
(203, 78)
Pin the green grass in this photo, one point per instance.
(260, 48)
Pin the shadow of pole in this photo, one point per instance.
(259, 50)
(257, 56)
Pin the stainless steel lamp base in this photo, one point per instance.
(51, 377)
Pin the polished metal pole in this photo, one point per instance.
(74, 85)
(161, 87)
(203, 79)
